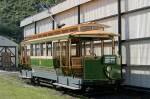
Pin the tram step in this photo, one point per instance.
(65, 86)
(25, 77)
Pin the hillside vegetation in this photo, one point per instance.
(13, 11)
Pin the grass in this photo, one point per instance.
(11, 87)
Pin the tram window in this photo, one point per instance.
(64, 48)
(97, 48)
(73, 50)
(41, 49)
(88, 28)
(37, 50)
(33, 50)
(44, 49)
(95, 28)
(28, 50)
(87, 48)
(56, 48)
(108, 49)
(49, 49)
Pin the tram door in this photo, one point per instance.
(92, 63)
(60, 57)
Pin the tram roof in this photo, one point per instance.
(94, 34)
(68, 29)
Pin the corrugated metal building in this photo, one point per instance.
(135, 17)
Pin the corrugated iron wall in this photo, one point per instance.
(135, 25)
(98, 9)
(69, 17)
(29, 30)
(44, 25)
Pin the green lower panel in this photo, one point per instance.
(116, 71)
(34, 62)
(42, 62)
(93, 69)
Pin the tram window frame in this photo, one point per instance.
(37, 49)
(28, 52)
(56, 49)
(73, 50)
(41, 49)
(49, 49)
(44, 49)
(33, 50)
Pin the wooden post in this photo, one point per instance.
(35, 50)
(102, 47)
(84, 49)
(60, 57)
(40, 47)
(113, 46)
(15, 56)
(25, 54)
(69, 54)
(31, 50)
(80, 48)
(46, 51)
(21, 55)
(51, 49)
(92, 48)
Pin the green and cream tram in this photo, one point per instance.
(72, 57)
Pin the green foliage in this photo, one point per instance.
(13, 11)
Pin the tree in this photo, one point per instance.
(13, 11)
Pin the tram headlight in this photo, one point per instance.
(108, 71)
(108, 68)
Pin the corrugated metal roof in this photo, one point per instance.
(7, 42)
(66, 5)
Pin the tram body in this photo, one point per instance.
(70, 60)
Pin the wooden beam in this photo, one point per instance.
(31, 50)
(1, 49)
(113, 46)
(46, 49)
(102, 47)
(84, 49)
(60, 57)
(15, 56)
